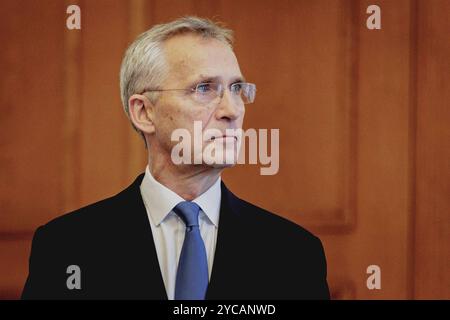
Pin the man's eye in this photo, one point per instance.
(203, 88)
(236, 87)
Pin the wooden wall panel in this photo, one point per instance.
(383, 153)
(31, 113)
(432, 220)
(72, 59)
(362, 117)
(14, 253)
(104, 125)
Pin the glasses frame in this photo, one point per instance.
(220, 90)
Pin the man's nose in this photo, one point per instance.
(228, 107)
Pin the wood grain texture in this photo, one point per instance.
(363, 118)
(32, 108)
(432, 220)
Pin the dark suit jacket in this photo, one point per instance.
(258, 255)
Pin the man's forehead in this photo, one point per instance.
(187, 54)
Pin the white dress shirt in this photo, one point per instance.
(169, 230)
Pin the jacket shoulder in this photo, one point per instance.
(81, 221)
(266, 221)
(96, 216)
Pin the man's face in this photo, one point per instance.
(192, 60)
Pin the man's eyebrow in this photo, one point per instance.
(203, 78)
(238, 79)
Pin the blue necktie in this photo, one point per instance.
(192, 274)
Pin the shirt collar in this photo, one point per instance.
(160, 200)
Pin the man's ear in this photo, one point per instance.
(142, 113)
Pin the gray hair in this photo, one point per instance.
(144, 66)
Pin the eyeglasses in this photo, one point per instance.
(209, 92)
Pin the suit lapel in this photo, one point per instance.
(226, 277)
(145, 270)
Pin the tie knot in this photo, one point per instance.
(188, 212)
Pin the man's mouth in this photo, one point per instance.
(213, 135)
(224, 137)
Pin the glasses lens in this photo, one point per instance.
(248, 92)
(207, 92)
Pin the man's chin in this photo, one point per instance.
(222, 165)
(221, 160)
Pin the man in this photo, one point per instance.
(177, 232)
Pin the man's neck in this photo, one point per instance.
(187, 181)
